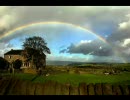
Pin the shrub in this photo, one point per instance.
(76, 71)
(4, 64)
(68, 70)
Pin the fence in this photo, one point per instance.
(20, 87)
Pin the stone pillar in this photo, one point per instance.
(32, 65)
(23, 64)
(29, 64)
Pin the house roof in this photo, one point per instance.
(14, 52)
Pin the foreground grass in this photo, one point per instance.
(75, 79)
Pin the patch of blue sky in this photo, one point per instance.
(16, 43)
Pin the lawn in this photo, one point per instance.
(75, 79)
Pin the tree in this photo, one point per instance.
(4, 64)
(34, 48)
(37, 43)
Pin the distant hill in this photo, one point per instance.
(62, 63)
(72, 63)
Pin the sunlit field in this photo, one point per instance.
(74, 79)
(75, 75)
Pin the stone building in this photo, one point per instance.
(14, 55)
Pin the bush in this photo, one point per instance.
(68, 70)
(76, 71)
(125, 69)
(4, 64)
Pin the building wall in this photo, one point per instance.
(11, 58)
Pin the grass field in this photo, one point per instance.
(75, 79)
(91, 74)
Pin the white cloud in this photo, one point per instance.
(85, 41)
(4, 47)
(9, 17)
(126, 42)
(6, 21)
(123, 25)
(100, 47)
(82, 42)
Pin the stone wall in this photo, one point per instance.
(20, 87)
(13, 57)
(29, 70)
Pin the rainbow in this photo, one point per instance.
(55, 23)
(42, 23)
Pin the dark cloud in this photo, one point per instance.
(105, 51)
(119, 35)
(96, 48)
(94, 18)
(122, 32)
(63, 51)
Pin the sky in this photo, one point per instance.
(73, 33)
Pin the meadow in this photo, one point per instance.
(75, 79)
(77, 74)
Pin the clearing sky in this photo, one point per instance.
(73, 33)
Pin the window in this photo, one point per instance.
(9, 57)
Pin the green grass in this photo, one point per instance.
(75, 79)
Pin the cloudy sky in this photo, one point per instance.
(73, 33)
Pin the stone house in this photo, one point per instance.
(14, 55)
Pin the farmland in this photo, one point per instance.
(75, 74)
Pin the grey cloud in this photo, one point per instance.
(4, 47)
(92, 48)
(9, 17)
(122, 31)
(9, 45)
(96, 18)
(119, 35)
(106, 51)
(63, 51)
